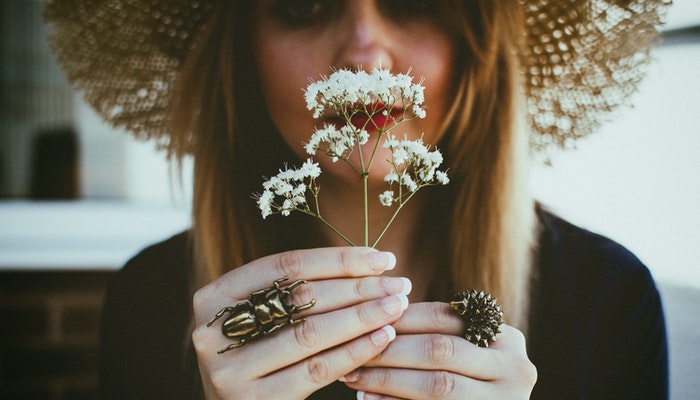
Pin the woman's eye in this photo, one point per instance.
(299, 13)
(411, 8)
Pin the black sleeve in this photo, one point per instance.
(598, 329)
(629, 357)
(143, 322)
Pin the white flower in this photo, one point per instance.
(441, 177)
(414, 164)
(290, 186)
(407, 181)
(350, 98)
(391, 177)
(418, 111)
(344, 87)
(387, 198)
(311, 169)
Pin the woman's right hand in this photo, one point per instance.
(347, 326)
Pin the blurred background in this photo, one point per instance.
(78, 198)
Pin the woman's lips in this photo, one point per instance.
(379, 120)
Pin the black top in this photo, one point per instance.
(597, 328)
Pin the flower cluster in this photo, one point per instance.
(339, 142)
(290, 186)
(356, 99)
(413, 166)
(350, 91)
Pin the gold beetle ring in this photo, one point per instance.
(481, 314)
(265, 312)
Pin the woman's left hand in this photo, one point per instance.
(430, 360)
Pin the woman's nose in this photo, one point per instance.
(365, 37)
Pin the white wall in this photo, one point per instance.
(637, 180)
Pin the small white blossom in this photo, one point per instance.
(407, 181)
(387, 198)
(391, 177)
(414, 165)
(290, 186)
(441, 177)
(344, 87)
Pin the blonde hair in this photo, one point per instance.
(491, 221)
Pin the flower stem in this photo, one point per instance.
(348, 241)
(393, 217)
(328, 224)
(366, 203)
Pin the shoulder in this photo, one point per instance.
(160, 262)
(597, 325)
(144, 317)
(154, 280)
(173, 250)
(574, 256)
(155, 277)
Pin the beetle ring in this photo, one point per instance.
(482, 315)
(265, 312)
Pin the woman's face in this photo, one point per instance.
(297, 41)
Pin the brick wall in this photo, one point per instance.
(49, 333)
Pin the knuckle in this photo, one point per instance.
(442, 385)
(347, 260)
(441, 349)
(517, 336)
(200, 298)
(219, 381)
(381, 377)
(318, 370)
(290, 263)
(303, 294)
(527, 372)
(359, 289)
(441, 316)
(199, 341)
(306, 334)
(365, 314)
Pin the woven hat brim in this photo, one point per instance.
(583, 59)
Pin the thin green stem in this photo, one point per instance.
(393, 217)
(317, 214)
(366, 203)
(328, 224)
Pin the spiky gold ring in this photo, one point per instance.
(481, 314)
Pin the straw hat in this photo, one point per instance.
(583, 58)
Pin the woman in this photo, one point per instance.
(583, 318)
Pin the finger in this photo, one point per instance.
(324, 368)
(418, 384)
(303, 339)
(309, 264)
(325, 295)
(441, 352)
(465, 371)
(297, 265)
(362, 395)
(433, 317)
(334, 294)
(456, 354)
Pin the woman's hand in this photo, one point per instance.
(347, 326)
(429, 360)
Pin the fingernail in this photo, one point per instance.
(394, 304)
(350, 377)
(382, 261)
(383, 336)
(368, 396)
(397, 285)
(360, 395)
(407, 287)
